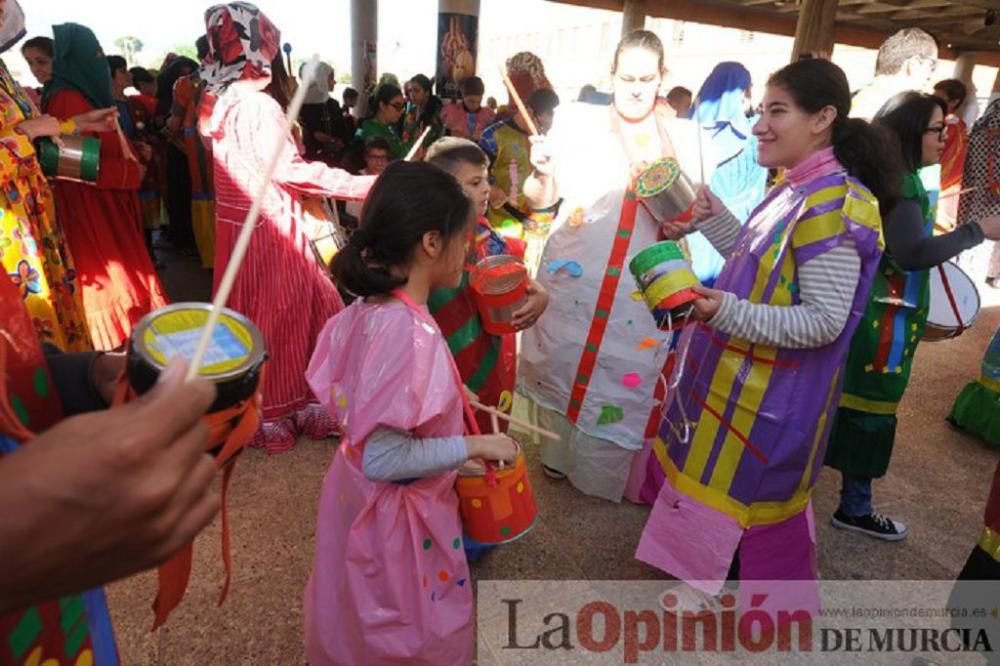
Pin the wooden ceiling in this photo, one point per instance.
(959, 25)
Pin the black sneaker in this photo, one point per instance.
(874, 525)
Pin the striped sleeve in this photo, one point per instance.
(722, 231)
(827, 284)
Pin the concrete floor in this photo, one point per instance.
(937, 485)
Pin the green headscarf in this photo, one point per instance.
(79, 64)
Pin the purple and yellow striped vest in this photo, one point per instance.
(760, 415)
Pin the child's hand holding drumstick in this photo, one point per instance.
(491, 447)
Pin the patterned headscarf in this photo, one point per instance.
(11, 24)
(527, 74)
(242, 44)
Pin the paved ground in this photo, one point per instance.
(937, 484)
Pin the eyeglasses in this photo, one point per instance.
(940, 130)
(377, 157)
(399, 106)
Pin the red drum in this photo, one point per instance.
(500, 284)
(496, 504)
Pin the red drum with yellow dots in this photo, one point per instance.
(496, 504)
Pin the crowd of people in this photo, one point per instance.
(818, 214)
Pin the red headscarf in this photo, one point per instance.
(242, 43)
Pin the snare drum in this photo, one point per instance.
(234, 360)
(326, 237)
(497, 505)
(78, 158)
(665, 191)
(942, 322)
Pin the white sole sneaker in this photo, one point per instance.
(840, 525)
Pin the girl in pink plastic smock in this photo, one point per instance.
(390, 583)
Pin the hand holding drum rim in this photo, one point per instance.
(491, 447)
(541, 155)
(991, 227)
(675, 230)
(534, 305)
(105, 372)
(98, 120)
(707, 304)
(118, 491)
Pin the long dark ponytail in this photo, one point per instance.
(408, 200)
(815, 84)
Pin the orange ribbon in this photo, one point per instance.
(230, 430)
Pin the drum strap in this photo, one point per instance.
(951, 300)
(230, 430)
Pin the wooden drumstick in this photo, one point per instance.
(949, 195)
(416, 146)
(243, 240)
(517, 102)
(515, 421)
(495, 422)
(123, 140)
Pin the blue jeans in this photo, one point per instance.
(856, 496)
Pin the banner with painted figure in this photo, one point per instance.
(458, 36)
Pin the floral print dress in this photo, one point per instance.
(32, 249)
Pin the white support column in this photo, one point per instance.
(364, 49)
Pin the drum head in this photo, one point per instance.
(941, 313)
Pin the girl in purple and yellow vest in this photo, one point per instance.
(742, 438)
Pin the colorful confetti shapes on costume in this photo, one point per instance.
(631, 379)
(610, 414)
(647, 343)
(573, 268)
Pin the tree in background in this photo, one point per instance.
(129, 46)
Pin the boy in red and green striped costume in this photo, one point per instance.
(486, 362)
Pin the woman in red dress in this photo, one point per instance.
(103, 221)
(280, 286)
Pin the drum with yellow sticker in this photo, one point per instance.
(233, 361)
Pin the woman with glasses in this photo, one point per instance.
(881, 354)
(387, 111)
